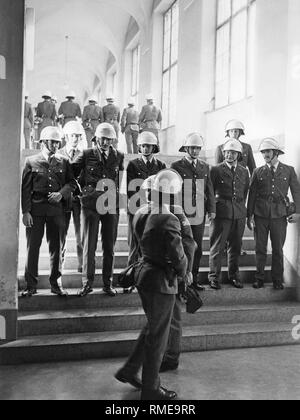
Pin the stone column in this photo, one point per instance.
(11, 99)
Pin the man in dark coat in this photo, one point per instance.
(47, 180)
(112, 115)
(231, 185)
(130, 127)
(91, 118)
(267, 209)
(101, 169)
(198, 194)
(69, 110)
(45, 113)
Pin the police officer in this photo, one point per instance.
(69, 110)
(102, 167)
(231, 185)
(28, 122)
(235, 129)
(157, 283)
(150, 117)
(73, 132)
(47, 180)
(91, 118)
(267, 209)
(112, 115)
(130, 127)
(46, 113)
(194, 171)
(140, 169)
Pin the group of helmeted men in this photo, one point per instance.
(165, 237)
(130, 123)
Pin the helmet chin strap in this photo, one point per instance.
(275, 157)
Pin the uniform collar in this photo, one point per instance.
(147, 160)
(274, 166)
(190, 160)
(230, 166)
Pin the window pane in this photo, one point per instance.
(238, 5)
(251, 50)
(222, 66)
(238, 57)
(173, 96)
(165, 99)
(224, 11)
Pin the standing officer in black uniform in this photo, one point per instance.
(141, 169)
(91, 118)
(157, 282)
(47, 180)
(74, 132)
(69, 110)
(101, 168)
(130, 127)
(269, 190)
(193, 170)
(112, 115)
(231, 185)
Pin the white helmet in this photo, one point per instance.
(270, 144)
(73, 127)
(106, 130)
(235, 125)
(233, 145)
(47, 94)
(192, 140)
(93, 99)
(146, 137)
(131, 101)
(150, 97)
(168, 182)
(110, 98)
(51, 133)
(71, 95)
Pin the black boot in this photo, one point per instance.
(108, 288)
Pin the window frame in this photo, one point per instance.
(135, 54)
(167, 123)
(225, 22)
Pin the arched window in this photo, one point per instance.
(2, 328)
(2, 67)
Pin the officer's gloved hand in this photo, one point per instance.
(211, 217)
(188, 279)
(295, 218)
(250, 223)
(27, 220)
(54, 198)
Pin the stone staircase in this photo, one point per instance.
(55, 329)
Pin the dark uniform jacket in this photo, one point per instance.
(151, 114)
(111, 113)
(266, 195)
(137, 169)
(187, 172)
(46, 110)
(95, 168)
(70, 110)
(63, 152)
(41, 178)
(248, 157)
(130, 118)
(92, 113)
(28, 115)
(230, 192)
(165, 261)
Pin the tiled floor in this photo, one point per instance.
(264, 373)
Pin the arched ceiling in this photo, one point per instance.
(96, 29)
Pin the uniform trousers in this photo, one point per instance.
(230, 232)
(277, 229)
(91, 220)
(134, 248)
(153, 341)
(54, 233)
(198, 232)
(131, 137)
(27, 136)
(76, 213)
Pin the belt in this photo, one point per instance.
(271, 199)
(227, 198)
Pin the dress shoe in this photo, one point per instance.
(214, 284)
(237, 284)
(128, 291)
(127, 378)
(59, 291)
(159, 394)
(168, 366)
(29, 292)
(244, 253)
(79, 270)
(259, 284)
(198, 287)
(110, 291)
(86, 290)
(278, 286)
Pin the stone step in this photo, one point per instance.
(122, 246)
(228, 296)
(121, 260)
(72, 279)
(121, 319)
(67, 347)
